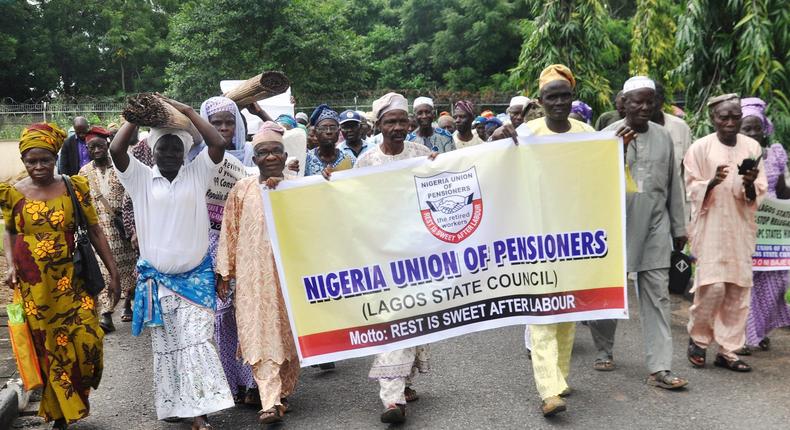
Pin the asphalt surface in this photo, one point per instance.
(484, 381)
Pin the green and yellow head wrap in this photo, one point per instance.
(42, 135)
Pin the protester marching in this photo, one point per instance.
(250, 240)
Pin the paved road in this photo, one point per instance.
(484, 380)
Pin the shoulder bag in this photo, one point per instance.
(86, 266)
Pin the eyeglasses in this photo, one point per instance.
(326, 129)
(277, 153)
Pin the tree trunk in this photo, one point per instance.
(123, 78)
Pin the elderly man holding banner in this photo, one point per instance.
(395, 370)
(245, 254)
(552, 343)
(655, 222)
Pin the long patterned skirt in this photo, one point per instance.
(188, 376)
(768, 308)
(226, 334)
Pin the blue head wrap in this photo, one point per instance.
(286, 119)
(323, 112)
(582, 109)
(493, 121)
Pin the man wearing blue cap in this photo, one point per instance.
(351, 127)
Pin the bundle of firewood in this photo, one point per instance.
(149, 110)
(265, 85)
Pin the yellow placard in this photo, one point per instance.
(416, 251)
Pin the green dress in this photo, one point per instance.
(61, 315)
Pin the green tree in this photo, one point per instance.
(736, 46)
(74, 28)
(420, 21)
(314, 45)
(477, 42)
(212, 40)
(136, 43)
(570, 32)
(653, 51)
(27, 68)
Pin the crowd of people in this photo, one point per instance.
(211, 299)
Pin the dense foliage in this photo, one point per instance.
(737, 46)
(340, 49)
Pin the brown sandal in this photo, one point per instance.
(271, 415)
(410, 394)
(603, 365)
(664, 379)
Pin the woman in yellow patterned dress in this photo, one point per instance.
(39, 242)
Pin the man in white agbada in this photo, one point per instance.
(394, 370)
(175, 295)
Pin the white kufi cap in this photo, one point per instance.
(637, 83)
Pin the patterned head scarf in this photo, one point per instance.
(556, 72)
(321, 113)
(157, 133)
(97, 131)
(583, 110)
(286, 119)
(465, 106)
(42, 135)
(389, 102)
(753, 106)
(224, 104)
(269, 132)
(713, 101)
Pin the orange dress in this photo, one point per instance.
(61, 314)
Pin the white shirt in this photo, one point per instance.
(464, 143)
(171, 217)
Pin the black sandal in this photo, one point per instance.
(745, 350)
(696, 354)
(252, 397)
(735, 365)
(395, 414)
(410, 394)
(765, 344)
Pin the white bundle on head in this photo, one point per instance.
(157, 133)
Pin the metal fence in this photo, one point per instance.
(14, 116)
